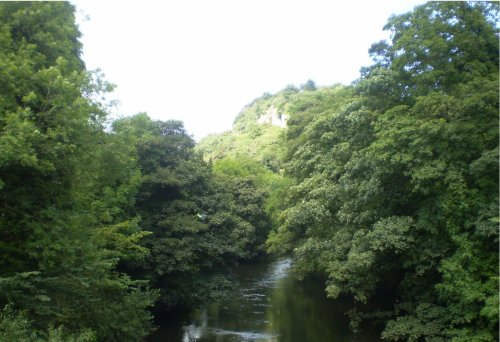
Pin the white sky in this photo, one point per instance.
(201, 61)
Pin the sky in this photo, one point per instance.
(202, 61)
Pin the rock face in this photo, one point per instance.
(273, 117)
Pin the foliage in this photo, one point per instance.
(388, 187)
(251, 138)
(57, 266)
(308, 86)
(246, 181)
(199, 222)
(16, 327)
(397, 192)
(250, 156)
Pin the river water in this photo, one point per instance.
(267, 305)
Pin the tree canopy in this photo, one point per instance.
(387, 188)
(397, 192)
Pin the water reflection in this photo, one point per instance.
(268, 305)
(242, 316)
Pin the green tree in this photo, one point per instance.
(397, 193)
(52, 265)
(199, 223)
(310, 85)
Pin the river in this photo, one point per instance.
(267, 305)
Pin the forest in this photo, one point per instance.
(386, 188)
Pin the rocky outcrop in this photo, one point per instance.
(273, 117)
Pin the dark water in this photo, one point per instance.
(268, 305)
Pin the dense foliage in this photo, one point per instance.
(249, 138)
(53, 265)
(388, 188)
(397, 194)
(198, 223)
(92, 218)
(253, 151)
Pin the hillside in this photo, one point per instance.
(256, 132)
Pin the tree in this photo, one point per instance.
(53, 267)
(197, 228)
(394, 199)
(308, 86)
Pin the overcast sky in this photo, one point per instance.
(201, 61)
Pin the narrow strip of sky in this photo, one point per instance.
(202, 61)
